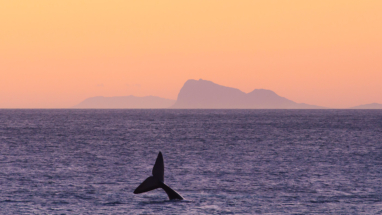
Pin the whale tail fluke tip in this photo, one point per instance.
(158, 169)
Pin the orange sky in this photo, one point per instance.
(54, 54)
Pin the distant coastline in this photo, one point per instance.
(368, 106)
(203, 94)
(125, 102)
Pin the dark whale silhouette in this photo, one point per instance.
(157, 181)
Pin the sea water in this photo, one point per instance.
(220, 161)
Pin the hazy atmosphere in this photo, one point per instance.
(55, 54)
(190, 107)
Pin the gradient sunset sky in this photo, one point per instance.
(54, 54)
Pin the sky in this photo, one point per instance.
(54, 54)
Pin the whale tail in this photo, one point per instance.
(157, 181)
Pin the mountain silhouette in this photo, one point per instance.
(125, 102)
(202, 94)
(368, 106)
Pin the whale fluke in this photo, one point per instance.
(158, 169)
(157, 181)
(172, 194)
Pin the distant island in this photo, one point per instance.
(125, 102)
(368, 106)
(203, 94)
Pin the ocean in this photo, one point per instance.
(221, 161)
